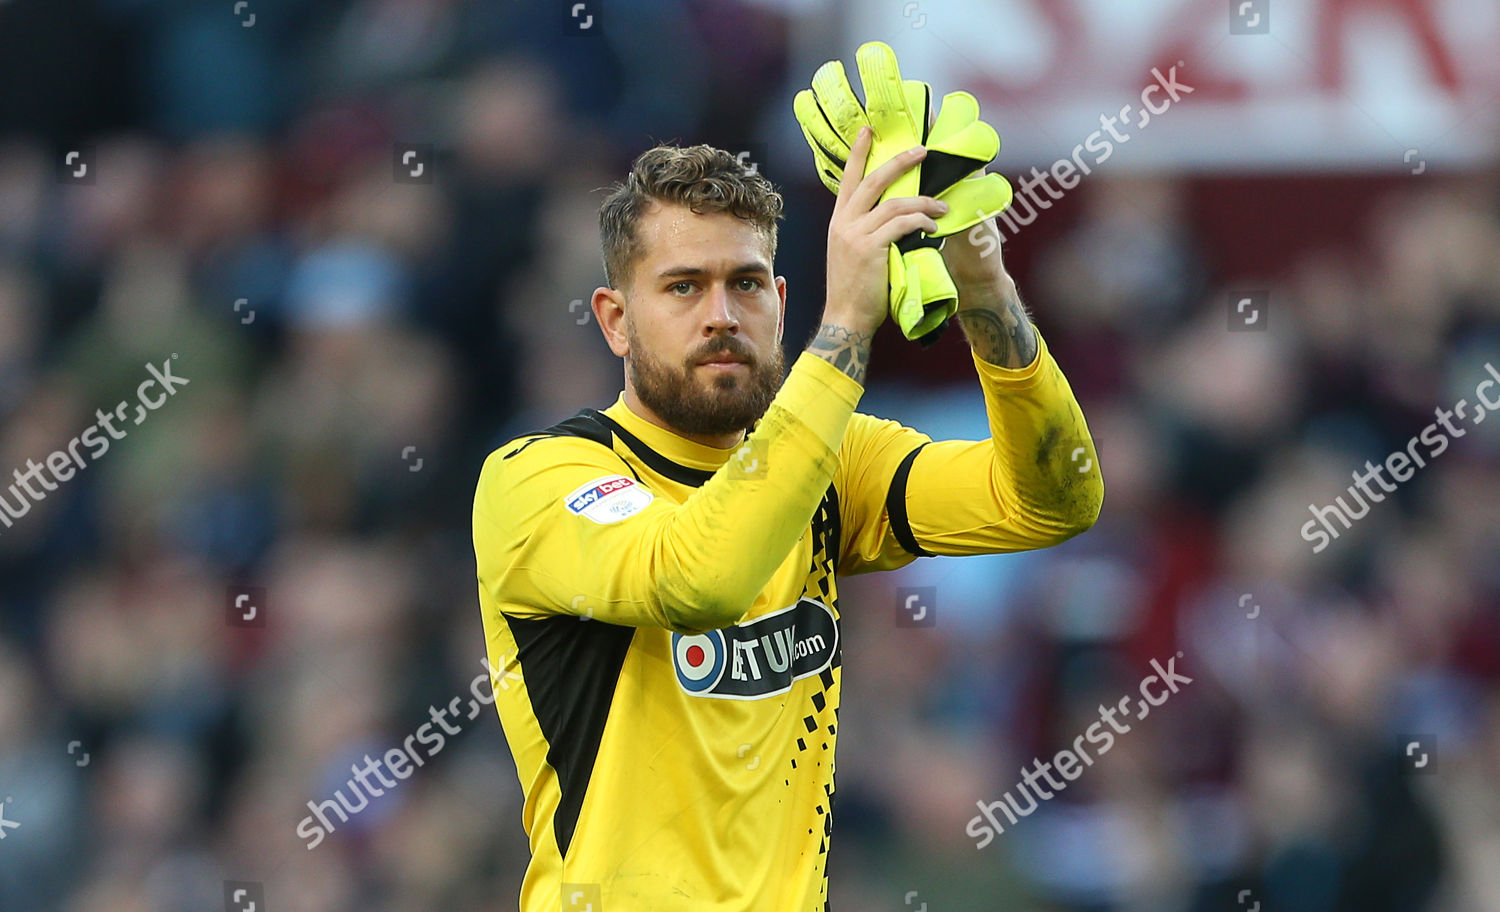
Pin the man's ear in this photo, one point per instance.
(781, 318)
(609, 309)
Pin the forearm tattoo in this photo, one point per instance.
(845, 350)
(1000, 332)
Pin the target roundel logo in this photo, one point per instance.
(699, 660)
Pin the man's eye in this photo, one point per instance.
(681, 287)
(754, 284)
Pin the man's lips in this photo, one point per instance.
(723, 359)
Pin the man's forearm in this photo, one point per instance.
(995, 323)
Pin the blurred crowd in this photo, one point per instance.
(354, 346)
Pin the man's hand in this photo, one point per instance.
(973, 258)
(989, 308)
(860, 236)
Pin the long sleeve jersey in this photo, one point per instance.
(663, 621)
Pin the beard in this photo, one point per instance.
(694, 403)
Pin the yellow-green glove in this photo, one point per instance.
(959, 145)
(953, 143)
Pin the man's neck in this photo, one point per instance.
(717, 441)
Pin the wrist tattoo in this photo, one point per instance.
(1000, 333)
(845, 350)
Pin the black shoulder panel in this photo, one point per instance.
(590, 424)
(679, 473)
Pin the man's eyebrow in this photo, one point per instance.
(742, 269)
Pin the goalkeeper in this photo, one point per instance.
(659, 579)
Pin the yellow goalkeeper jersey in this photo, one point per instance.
(664, 629)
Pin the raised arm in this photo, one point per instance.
(1034, 483)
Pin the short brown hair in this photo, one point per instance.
(701, 177)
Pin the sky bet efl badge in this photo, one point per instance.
(609, 499)
(758, 659)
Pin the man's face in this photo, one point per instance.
(703, 320)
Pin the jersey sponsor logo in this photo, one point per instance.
(699, 660)
(609, 499)
(758, 659)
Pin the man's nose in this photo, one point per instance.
(720, 315)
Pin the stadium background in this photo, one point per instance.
(355, 344)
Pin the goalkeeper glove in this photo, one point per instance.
(972, 194)
(959, 145)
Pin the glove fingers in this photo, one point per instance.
(957, 156)
(919, 105)
(978, 141)
(958, 144)
(972, 201)
(959, 109)
(815, 126)
(828, 148)
(885, 96)
(835, 98)
(830, 172)
(885, 105)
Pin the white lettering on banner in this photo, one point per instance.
(1326, 83)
